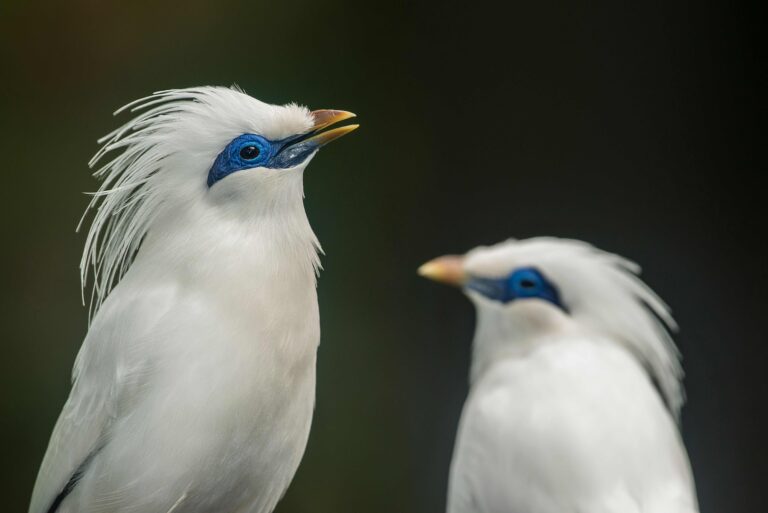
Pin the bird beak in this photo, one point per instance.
(447, 269)
(297, 149)
(325, 118)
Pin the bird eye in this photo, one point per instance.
(249, 152)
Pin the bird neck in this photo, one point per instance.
(504, 332)
(270, 249)
(257, 274)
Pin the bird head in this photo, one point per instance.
(199, 161)
(262, 147)
(216, 145)
(526, 291)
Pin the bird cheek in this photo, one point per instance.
(538, 313)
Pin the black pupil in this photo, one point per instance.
(249, 152)
(527, 284)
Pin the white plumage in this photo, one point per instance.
(562, 414)
(194, 388)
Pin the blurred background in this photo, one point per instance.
(630, 125)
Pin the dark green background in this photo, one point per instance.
(630, 125)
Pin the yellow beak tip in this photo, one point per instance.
(327, 117)
(447, 269)
(428, 270)
(323, 138)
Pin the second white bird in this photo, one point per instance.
(562, 414)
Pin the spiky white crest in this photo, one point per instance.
(603, 293)
(166, 153)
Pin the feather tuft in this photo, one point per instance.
(125, 202)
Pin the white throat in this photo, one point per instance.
(513, 330)
(251, 254)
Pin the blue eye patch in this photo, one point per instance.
(522, 283)
(251, 150)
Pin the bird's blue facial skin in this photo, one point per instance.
(251, 150)
(522, 283)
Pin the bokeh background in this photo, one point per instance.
(633, 125)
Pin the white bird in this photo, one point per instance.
(194, 388)
(562, 414)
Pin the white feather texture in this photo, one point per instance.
(194, 388)
(563, 415)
